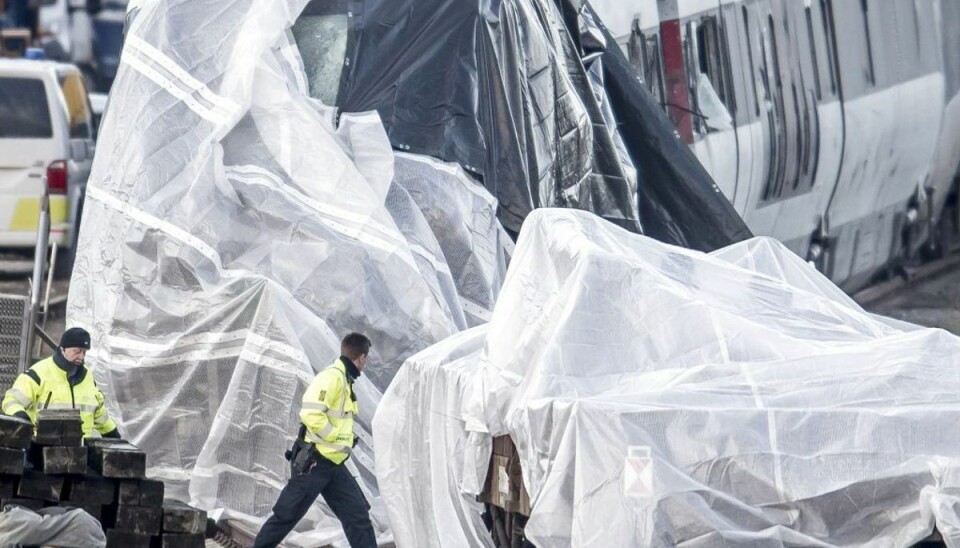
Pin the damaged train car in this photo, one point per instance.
(273, 173)
(831, 125)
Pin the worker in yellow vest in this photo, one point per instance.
(318, 456)
(62, 382)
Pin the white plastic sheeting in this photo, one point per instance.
(232, 234)
(663, 397)
(68, 527)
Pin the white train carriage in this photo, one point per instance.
(831, 125)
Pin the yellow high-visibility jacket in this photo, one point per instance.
(46, 386)
(327, 413)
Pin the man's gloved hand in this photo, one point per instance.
(355, 440)
(22, 415)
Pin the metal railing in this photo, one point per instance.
(19, 314)
(39, 266)
(14, 348)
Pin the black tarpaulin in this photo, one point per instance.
(679, 202)
(510, 90)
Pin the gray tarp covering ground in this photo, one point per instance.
(664, 397)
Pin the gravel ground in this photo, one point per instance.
(934, 302)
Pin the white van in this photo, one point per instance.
(46, 128)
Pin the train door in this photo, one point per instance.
(766, 125)
(893, 104)
(781, 200)
(782, 112)
(750, 134)
(816, 19)
(698, 86)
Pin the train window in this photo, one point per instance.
(775, 54)
(723, 50)
(644, 52)
(654, 75)
(693, 70)
(813, 48)
(635, 51)
(951, 49)
(774, 105)
(711, 91)
(905, 26)
(827, 15)
(746, 30)
(868, 62)
(709, 56)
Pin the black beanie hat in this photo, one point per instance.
(75, 337)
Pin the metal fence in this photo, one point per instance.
(14, 315)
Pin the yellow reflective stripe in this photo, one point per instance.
(11, 404)
(20, 397)
(326, 430)
(79, 407)
(317, 406)
(325, 409)
(101, 420)
(335, 446)
(343, 393)
(338, 413)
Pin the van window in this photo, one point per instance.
(23, 109)
(79, 117)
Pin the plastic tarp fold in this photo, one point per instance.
(497, 87)
(69, 528)
(235, 226)
(534, 98)
(659, 396)
(234, 230)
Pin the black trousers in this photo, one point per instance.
(342, 495)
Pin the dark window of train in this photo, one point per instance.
(644, 52)
(753, 80)
(710, 58)
(654, 76)
(775, 55)
(870, 75)
(813, 51)
(804, 139)
(726, 70)
(635, 51)
(691, 61)
(827, 14)
(777, 156)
